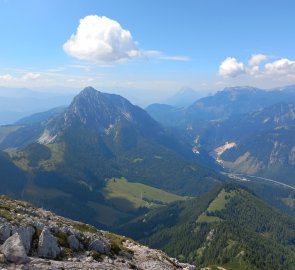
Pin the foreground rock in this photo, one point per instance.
(54, 242)
(48, 246)
(14, 251)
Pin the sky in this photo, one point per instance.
(154, 47)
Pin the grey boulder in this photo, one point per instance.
(73, 242)
(100, 245)
(48, 246)
(14, 250)
(26, 235)
(5, 232)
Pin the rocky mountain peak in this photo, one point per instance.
(98, 111)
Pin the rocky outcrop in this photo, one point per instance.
(54, 242)
(14, 251)
(100, 245)
(73, 243)
(26, 235)
(5, 232)
(48, 246)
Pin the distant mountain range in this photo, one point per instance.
(17, 103)
(185, 97)
(246, 129)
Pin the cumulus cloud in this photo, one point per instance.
(282, 69)
(257, 59)
(100, 39)
(230, 67)
(281, 66)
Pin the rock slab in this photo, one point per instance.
(14, 251)
(48, 246)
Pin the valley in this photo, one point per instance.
(176, 188)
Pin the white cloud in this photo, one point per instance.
(259, 70)
(281, 66)
(230, 67)
(6, 78)
(175, 58)
(30, 76)
(101, 40)
(257, 59)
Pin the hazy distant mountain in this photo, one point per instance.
(184, 97)
(229, 228)
(238, 100)
(165, 114)
(230, 101)
(17, 103)
(41, 116)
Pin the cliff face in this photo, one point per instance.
(33, 238)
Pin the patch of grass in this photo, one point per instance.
(84, 227)
(117, 242)
(217, 204)
(6, 214)
(221, 200)
(128, 196)
(97, 256)
(57, 156)
(62, 239)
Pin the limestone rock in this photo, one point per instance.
(5, 232)
(48, 246)
(14, 250)
(73, 242)
(100, 245)
(26, 235)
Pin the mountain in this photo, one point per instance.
(40, 117)
(259, 143)
(97, 156)
(33, 238)
(185, 97)
(229, 228)
(223, 104)
(17, 103)
(238, 100)
(165, 114)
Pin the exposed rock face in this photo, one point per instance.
(73, 242)
(26, 235)
(14, 250)
(67, 244)
(48, 246)
(100, 245)
(5, 232)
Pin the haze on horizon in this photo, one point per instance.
(146, 49)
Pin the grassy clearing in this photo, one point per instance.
(57, 152)
(128, 196)
(217, 204)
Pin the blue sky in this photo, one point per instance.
(206, 45)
